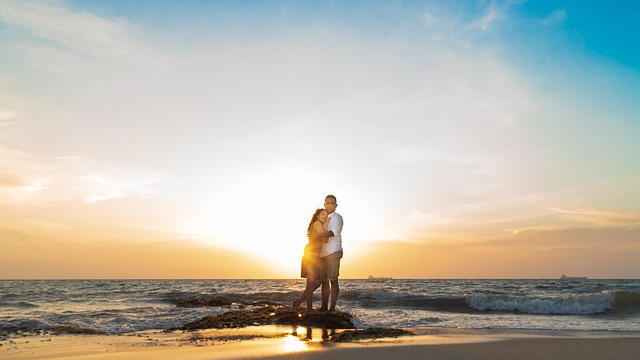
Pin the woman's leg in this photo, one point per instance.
(299, 300)
(307, 294)
(312, 285)
(304, 272)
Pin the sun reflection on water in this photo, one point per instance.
(292, 343)
(301, 338)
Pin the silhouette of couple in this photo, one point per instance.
(321, 259)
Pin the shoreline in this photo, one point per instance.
(277, 341)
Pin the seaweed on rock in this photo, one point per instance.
(271, 315)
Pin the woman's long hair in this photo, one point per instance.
(314, 218)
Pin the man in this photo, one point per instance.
(331, 253)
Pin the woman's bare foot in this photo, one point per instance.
(295, 305)
(312, 312)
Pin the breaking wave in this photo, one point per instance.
(575, 304)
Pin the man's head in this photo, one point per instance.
(330, 203)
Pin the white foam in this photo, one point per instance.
(373, 294)
(576, 304)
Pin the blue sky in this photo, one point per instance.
(467, 138)
(608, 30)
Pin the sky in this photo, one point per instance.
(194, 139)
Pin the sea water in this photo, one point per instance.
(122, 306)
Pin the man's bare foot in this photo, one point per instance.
(312, 312)
(295, 305)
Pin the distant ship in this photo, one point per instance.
(565, 277)
(371, 277)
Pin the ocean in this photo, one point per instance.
(125, 306)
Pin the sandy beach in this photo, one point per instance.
(275, 342)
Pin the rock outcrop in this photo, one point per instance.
(271, 315)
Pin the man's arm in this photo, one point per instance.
(335, 226)
(325, 235)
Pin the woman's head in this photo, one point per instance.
(318, 215)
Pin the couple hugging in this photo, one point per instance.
(321, 260)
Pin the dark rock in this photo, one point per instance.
(263, 303)
(367, 334)
(219, 301)
(54, 330)
(75, 330)
(338, 320)
(270, 315)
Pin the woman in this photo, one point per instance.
(311, 262)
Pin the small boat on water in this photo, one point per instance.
(371, 277)
(565, 277)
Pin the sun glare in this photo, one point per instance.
(264, 219)
(292, 343)
(267, 220)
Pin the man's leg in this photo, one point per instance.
(326, 290)
(335, 290)
(325, 296)
(333, 271)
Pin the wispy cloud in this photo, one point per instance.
(104, 187)
(555, 18)
(603, 218)
(17, 185)
(492, 15)
(6, 114)
(29, 180)
(79, 32)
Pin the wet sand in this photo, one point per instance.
(285, 342)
